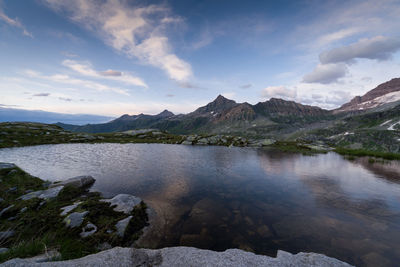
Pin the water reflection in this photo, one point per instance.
(257, 200)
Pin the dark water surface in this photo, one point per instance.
(257, 200)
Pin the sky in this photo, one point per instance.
(114, 57)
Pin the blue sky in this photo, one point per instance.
(112, 57)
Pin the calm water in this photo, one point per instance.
(257, 200)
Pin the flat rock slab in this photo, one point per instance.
(121, 226)
(43, 194)
(123, 202)
(79, 182)
(187, 256)
(4, 165)
(67, 209)
(75, 219)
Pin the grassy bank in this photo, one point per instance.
(38, 227)
(367, 153)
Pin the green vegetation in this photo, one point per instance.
(364, 153)
(291, 146)
(39, 227)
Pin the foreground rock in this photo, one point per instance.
(187, 256)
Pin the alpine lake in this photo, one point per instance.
(257, 200)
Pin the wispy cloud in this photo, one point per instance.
(379, 47)
(13, 22)
(137, 31)
(86, 69)
(279, 92)
(326, 73)
(67, 80)
(245, 86)
(41, 94)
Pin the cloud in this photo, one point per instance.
(137, 31)
(42, 94)
(86, 69)
(65, 99)
(67, 80)
(245, 86)
(279, 92)
(110, 73)
(169, 95)
(326, 73)
(68, 54)
(379, 48)
(13, 22)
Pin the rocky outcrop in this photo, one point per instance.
(123, 202)
(43, 194)
(79, 182)
(188, 256)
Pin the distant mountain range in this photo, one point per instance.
(12, 114)
(276, 118)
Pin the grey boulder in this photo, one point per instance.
(43, 194)
(75, 219)
(121, 226)
(123, 202)
(79, 182)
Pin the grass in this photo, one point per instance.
(292, 146)
(364, 153)
(41, 227)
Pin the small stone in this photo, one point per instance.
(7, 165)
(121, 226)
(104, 246)
(41, 204)
(109, 231)
(67, 209)
(88, 230)
(23, 209)
(6, 234)
(12, 189)
(75, 219)
(28, 191)
(3, 250)
(5, 210)
(12, 218)
(1, 199)
(12, 172)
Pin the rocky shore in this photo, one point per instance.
(64, 218)
(187, 256)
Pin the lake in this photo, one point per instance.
(254, 199)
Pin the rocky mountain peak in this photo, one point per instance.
(220, 104)
(165, 114)
(375, 97)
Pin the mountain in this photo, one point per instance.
(123, 123)
(12, 114)
(384, 93)
(219, 116)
